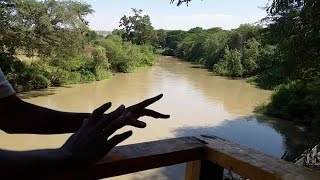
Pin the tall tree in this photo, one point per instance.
(42, 27)
(138, 28)
(159, 39)
(296, 25)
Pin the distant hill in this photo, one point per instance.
(103, 33)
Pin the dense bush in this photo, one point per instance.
(78, 69)
(125, 56)
(230, 64)
(271, 78)
(214, 48)
(296, 101)
(24, 77)
(275, 58)
(56, 71)
(239, 62)
(66, 50)
(94, 63)
(250, 55)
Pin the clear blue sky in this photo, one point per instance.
(227, 14)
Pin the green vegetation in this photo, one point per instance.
(125, 56)
(59, 49)
(54, 35)
(283, 56)
(137, 28)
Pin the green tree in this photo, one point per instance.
(42, 27)
(240, 35)
(125, 56)
(174, 38)
(118, 32)
(214, 46)
(160, 38)
(191, 48)
(92, 36)
(250, 56)
(294, 26)
(230, 64)
(138, 28)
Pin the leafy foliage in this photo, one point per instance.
(159, 39)
(67, 52)
(296, 102)
(230, 64)
(296, 25)
(42, 27)
(138, 28)
(125, 56)
(224, 51)
(283, 56)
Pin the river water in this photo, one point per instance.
(198, 102)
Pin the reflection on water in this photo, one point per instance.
(246, 131)
(198, 102)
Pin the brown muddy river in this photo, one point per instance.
(198, 102)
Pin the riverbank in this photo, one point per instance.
(198, 102)
(96, 63)
(251, 51)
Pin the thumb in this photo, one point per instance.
(117, 139)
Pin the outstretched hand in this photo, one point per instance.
(139, 110)
(92, 141)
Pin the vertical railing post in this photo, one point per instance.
(203, 170)
(210, 171)
(193, 170)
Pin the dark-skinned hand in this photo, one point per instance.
(139, 110)
(92, 141)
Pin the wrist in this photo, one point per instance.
(65, 157)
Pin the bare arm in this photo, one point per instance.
(84, 148)
(18, 116)
(81, 150)
(32, 164)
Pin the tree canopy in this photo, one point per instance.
(283, 56)
(40, 27)
(48, 43)
(138, 27)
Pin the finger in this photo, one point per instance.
(137, 123)
(110, 117)
(116, 113)
(116, 124)
(97, 113)
(154, 114)
(117, 139)
(145, 103)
